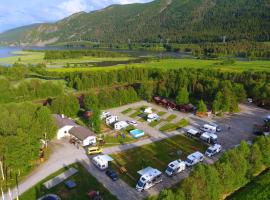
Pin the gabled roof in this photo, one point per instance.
(61, 122)
(81, 132)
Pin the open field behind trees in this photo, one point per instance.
(237, 66)
(37, 57)
(157, 155)
(85, 183)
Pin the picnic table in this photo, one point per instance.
(123, 170)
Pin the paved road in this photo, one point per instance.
(65, 154)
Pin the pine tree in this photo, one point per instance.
(183, 96)
(201, 106)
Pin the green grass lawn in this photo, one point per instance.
(126, 111)
(157, 155)
(136, 113)
(85, 183)
(171, 117)
(155, 123)
(173, 126)
(258, 189)
(161, 113)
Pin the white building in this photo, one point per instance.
(120, 125)
(68, 128)
(153, 117)
(111, 119)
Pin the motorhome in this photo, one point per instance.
(208, 128)
(192, 132)
(153, 117)
(194, 159)
(209, 137)
(105, 115)
(101, 161)
(148, 110)
(218, 128)
(111, 119)
(120, 125)
(175, 167)
(213, 150)
(149, 178)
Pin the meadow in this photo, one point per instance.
(29, 57)
(238, 66)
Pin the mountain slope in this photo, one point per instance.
(174, 20)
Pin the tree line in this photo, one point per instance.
(233, 170)
(66, 54)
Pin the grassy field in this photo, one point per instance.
(258, 189)
(157, 155)
(85, 183)
(174, 126)
(28, 57)
(182, 63)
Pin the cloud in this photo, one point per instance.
(73, 6)
(14, 13)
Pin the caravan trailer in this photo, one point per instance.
(149, 178)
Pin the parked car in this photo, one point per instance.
(212, 150)
(194, 158)
(110, 173)
(132, 123)
(94, 150)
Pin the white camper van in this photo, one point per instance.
(105, 115)
(209, 128)
(175, 167)
(149, 178)
(101, 161)
(194, 158)
(111, 119)
(209, 137)
(212, 150)
(192, 132)
(120, 125)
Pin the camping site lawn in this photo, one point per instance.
(85, 183)
(157, 155)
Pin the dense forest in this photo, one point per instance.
(191, 21)
(233, 170)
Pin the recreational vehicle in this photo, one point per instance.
(194, 159)
(111, 119)
(149, 178)
(209, 137)
(101, 161)
(175, 167)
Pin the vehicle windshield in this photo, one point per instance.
(169, 169)
(189, 161)
(209, 151)
(140, 184)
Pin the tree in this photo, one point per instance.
(255, 159)
(201, 106)
(146, 91)
(90, 100)
(95, 119)
(182, 96)
(65, 104)
(217, 104)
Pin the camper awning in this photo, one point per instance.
(145, 170)
(106, 158)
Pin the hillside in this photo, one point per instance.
(160, 20)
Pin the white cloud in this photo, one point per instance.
(73, 6)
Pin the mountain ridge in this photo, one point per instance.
(156, 21)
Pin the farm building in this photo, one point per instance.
(68, 128)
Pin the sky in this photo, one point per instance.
(15, 13)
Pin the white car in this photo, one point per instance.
(133, 123)
(194, 159)
(213, 150)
